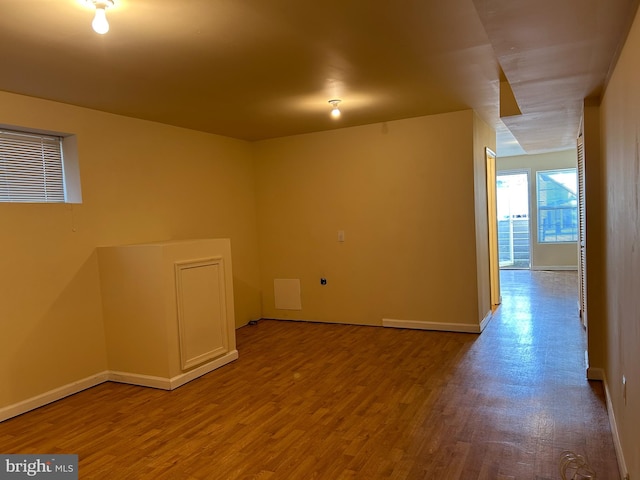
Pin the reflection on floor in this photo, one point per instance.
(537, 340)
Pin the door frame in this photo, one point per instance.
(492, 219)
(521, 171)
(582, 233)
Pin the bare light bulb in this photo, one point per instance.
(335, 112)
(100, 24)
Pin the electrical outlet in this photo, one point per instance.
(624, 389)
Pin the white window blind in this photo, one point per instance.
(30, 167)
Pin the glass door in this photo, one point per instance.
(514, 236)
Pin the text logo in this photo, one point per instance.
(43, 467)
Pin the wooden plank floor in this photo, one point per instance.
(330, 402)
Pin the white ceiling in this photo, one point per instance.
(256, 69)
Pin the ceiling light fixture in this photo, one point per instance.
(335, 112)
(100, 24)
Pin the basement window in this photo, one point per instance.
(38, 167)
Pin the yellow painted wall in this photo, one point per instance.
(620, 133)
(403, 193)
(554, 255)
(408, 194)
(595, 246)
(141, 182)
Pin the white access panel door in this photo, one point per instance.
(202, 312)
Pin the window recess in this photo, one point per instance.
(33, 168)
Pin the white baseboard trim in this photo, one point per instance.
(186, 377)
(441, 327)
(140, 380)
(59, 393)
(165, 383)
(555, 267)
(52, 395)
(485, 320)
(622, 465)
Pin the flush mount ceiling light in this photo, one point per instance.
(100, 24)
(335, 112)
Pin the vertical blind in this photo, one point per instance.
(30, 167)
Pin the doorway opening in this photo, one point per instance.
(514, 228)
